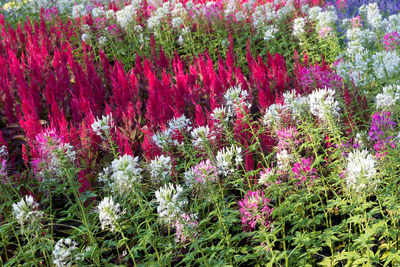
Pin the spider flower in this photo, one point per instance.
(254, 209)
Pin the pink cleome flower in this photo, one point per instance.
(391, 40)
(254, 209)
(303, 171)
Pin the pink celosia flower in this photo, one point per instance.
(303, 171)
(185, 229)
(254, 209)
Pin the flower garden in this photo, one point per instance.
(199, 133)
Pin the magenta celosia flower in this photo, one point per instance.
(205, 172)
(391, 40)
(254, 209)
(185, 229)
(303, 171)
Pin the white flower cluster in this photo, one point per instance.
(265, 177)
(327, 18)
(386, 64)
(262, 15)
(159, 15)
(126, 16)
(294, 106)
(270, 32)
(314, 11)
(236, 98)
(201, 135)
(78, 11)
(27, 214)
(181, 124)
(358, 40)
(284, 160)
(3, 151)
(388, 98)
(109, 213)
(103, 125)
(299, 25)
(170, 202)
(102, 40)
(65, 253)
(374, 16)
(160, 169)
(323, 105)
(356, 70)
(125, 173)
(273, 114)
(222, 116)
(189, 176)
(165, 138)
(55, 157)
(228, 159)
(361, 171)
(98, 12)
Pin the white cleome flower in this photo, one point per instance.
(361, 171)
(109, 213)
(373, 14)
(181, 124)
(65, 253)
(125, 172)
(202, 134)
(236, 98)
(273, 115)
(160, 168)
(103, 125)
(295, 104)
(102, 40)
(284, 160)
(298, 27)
(170, 202)
(228, 159)
(323, 104)
(388, 97)
(3, 151)
(27, 214)
(126, 16)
